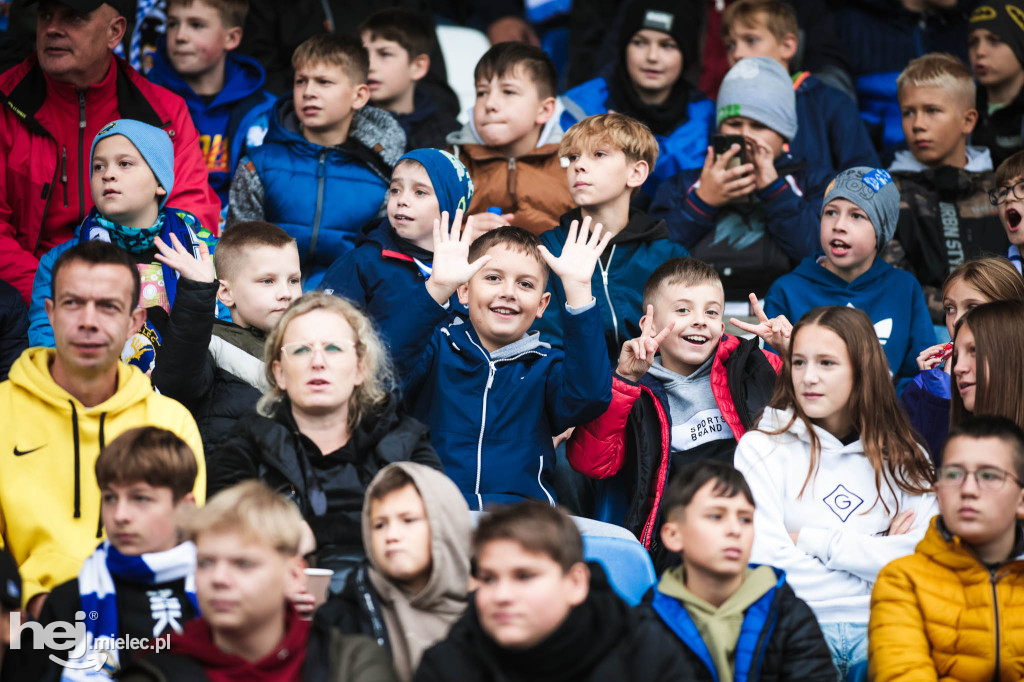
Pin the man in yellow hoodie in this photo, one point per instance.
(60, 406)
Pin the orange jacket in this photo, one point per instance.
(940, 614)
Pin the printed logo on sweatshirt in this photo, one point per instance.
(20, 453)
(883, 328)
(842, 502)
(704, 427)
(215, 151)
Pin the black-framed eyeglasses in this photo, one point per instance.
(987, 478)
(1000, 194)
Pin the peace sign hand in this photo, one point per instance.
(638, 354)
(775, 332)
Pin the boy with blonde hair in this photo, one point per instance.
(945, 215)
(247, 541)
(610, 157)
(324, 166)
(830, 132)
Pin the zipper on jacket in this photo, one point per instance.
(81, 151)
(608, 296)
(512, 183)
(483, 426)
(321, 179)
(993, 579)
(49, 190)
(64, 172)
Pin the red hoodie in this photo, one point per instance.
(283, 664)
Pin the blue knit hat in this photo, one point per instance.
(154, 145)
(759, 88)
(873, 190)
(451, 181)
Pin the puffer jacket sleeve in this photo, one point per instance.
(246, 196)
(40, 333)
(598, 449)
(185, 369)
(804, 654)
(898, 649)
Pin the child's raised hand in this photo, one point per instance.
(451, 266)
(775, 332)
(637, 354)
(764, 163)
(575, 267)
(934, 355)
(187, 265)
(485, 222)
(720, 185)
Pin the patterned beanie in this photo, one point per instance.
(873, 190)
(1006, 20)
(451, 181)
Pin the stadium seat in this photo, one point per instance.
(626, 562)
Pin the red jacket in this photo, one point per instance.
(46, 133)
(599, 449)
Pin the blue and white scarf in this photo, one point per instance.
(99, 600)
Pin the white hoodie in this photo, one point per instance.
(841, 520)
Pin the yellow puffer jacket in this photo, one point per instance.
(939, 614)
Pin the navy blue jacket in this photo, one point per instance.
(618, 281)
(13, 327)
(749, 245)
(926, 401)
(779, 639)
(427, 125)
(685, 147)
(830, 133)
(379, 275)
(492, 415)
(223, 124)
(891, 297)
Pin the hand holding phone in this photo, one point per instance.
(723, 179)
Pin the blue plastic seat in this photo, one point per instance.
(626, 562)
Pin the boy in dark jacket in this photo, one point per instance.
(693, 402)
(755, 221)
(541, 613)
(396, 254)
(215, 367)
(223, 90)
(324, 165)
(995, 47)
(493, 395)
(732, 620)
(400, 42)
(945, 213)
(830, 133)
(610, 156)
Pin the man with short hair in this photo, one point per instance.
(54, 104)
(59, 408)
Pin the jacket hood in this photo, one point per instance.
(796, 430)
(947, 549)
(551, 133)
(979, 160)
(640, 227)
(464, 339)
(823, 279)
(31, 372)
(243, 76)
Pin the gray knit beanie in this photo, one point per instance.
(873, 190)
(759, 88)
(153, 143)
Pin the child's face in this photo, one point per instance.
(654, 62)
(965, 366)
(848, 239)
(509, 109)
(755, 133)
(124, 188)
(602, 175)
(697, 312)
(393, 73)
(823, 378)
(325, 98)
(936, 125)
(400, 536)
(140, 518)
(981, 516)
(524, 596)
(197, 41)
(505, 297)
(960, 298)
(713, 533)
(1011, 212)
(242, 582)
(755, 40)
(992, 60)
(267, 281)
(412, 204)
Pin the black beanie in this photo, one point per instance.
(681, 19)
(1006, 20)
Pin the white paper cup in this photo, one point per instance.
(318, 580)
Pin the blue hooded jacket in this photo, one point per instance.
(492, 415)
(830, 132)
(892, 299)
(237, 117)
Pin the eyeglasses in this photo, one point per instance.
(987, 478)
(303, 351)
(999, 195)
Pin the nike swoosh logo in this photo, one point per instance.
(19, 453)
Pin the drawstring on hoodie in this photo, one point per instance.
(78, 476)
(103, 444)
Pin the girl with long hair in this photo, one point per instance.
(988, 363)
(841, 485)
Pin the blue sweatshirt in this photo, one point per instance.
(892, 299)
